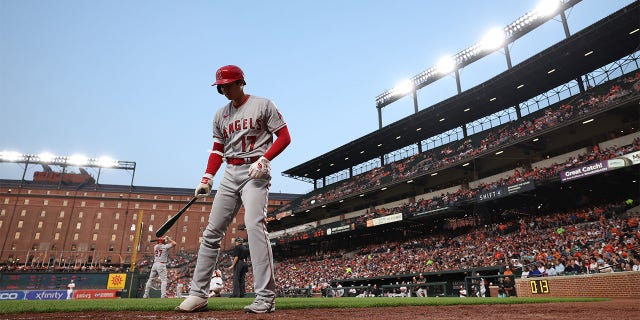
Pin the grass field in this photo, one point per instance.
(26, 306)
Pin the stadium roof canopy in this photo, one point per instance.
(607, 40)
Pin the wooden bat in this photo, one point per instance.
(167, 225)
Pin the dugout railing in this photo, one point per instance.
(295, 292)
(433, 289)
(494, 286)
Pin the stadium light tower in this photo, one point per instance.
(46, 159)
(494, 40)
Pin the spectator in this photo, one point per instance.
(551, 270)
(604, 267)
(559, 267)
(535, 271)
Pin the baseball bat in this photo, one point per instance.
(167, 225)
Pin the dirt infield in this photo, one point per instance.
(618, 309)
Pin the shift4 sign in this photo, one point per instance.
(539, 286)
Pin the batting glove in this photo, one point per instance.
(204, 188)
(260, 169)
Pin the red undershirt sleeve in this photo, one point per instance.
(215, 159)
(282, 141)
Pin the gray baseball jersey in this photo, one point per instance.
(246, 132)
(161, 252)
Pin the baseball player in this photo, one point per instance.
(243, 131)
(215, 288)
(159, 268)
(70, 287)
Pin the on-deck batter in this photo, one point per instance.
(243, 133)
(159, 268)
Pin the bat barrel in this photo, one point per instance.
(167, 225)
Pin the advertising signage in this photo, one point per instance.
(592, 168)
(505, 191)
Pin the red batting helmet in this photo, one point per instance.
(228, 74)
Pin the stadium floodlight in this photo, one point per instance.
(493, 39)
(106, 162)
(547, 8)
(544, 12)
(11, 156)
(64, 161)
(46, 157)
(446, 65)
(404, 87)
(78, 160)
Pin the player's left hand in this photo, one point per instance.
(260, 169)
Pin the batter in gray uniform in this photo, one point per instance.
(159, 268)
(243, 133)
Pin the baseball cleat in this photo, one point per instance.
(260, 306)
(193, 304)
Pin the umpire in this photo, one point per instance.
(240, 268)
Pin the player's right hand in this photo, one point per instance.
(204, 188)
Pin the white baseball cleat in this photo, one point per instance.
(193, 304)
(260, 306)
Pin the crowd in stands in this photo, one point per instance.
(422, 163)
(596, 238)
(592, 239)
(465, 194)
(556, 243)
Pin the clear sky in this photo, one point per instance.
(131, 79)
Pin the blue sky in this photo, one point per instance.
(131, 79)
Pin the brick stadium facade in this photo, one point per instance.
(51, 221)
(606, 285)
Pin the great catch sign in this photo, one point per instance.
(589, 169)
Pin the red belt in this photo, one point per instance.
(241, 161)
